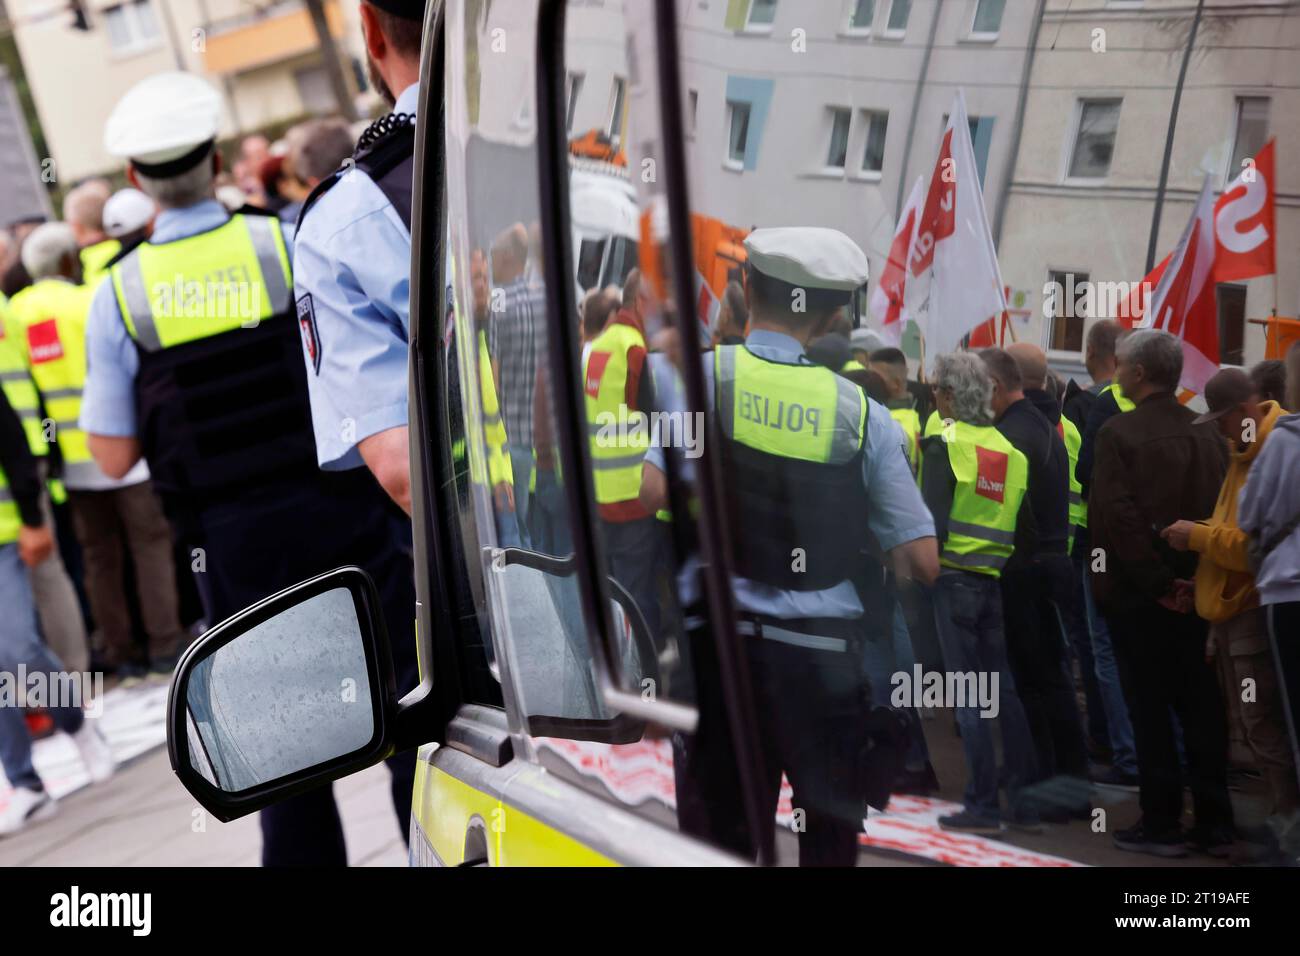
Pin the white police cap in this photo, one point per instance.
(808, 257)
(162, 119)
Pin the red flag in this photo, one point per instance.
(1183, 304)
(887, 300)
(1244, 222)
(1132, 311)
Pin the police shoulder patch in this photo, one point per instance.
(310, 331)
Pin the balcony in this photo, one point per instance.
(254, 40)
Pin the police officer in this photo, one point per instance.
(195, 364)
(352, 260)
(813, 467)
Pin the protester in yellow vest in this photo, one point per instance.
(26, 541)
(891, 365)
(974, 481)
(109, 515)
(619, 393)
(57, 604)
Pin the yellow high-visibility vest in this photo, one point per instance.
(1078, 507)
(619, 436)
(95, 260)
(50, 317)
(992, 478)
(910, 422)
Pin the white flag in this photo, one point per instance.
(955, 283)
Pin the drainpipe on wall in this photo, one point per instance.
(1169, 139)
(916, 105)
(1017, 127)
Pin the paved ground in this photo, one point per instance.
(144, 817)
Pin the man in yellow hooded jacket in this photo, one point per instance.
(1227, 598)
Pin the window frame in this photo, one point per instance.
(836, 113)
(1076, 127)
(130, 12)
(728, 160)
(867, 119)
(758, 27)
(1058, 315)
(1239, 102)
(984, 36)
(848, 28)
(896, 33)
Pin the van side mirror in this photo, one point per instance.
(294, 692)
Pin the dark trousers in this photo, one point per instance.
(1284, 634)
(104, 522)
(279, 536)
(1162, 666)
(632, 549)
(1036, 650)
(811, 709)
(1074, 619)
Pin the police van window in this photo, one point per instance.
(510, 495)
(629, 377)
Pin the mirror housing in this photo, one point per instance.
(380, 692)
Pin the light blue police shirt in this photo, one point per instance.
(352, 283)
(108, 401)
(897, 511)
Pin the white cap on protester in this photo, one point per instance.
(126, 211)
(808, 257)
(162, 118)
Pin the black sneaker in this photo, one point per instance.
(968, 822)
(1117, 780)
(1136, 839)
(1215, 841)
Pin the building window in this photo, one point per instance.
(1068, 310)
(1232, 324)
(981, 138)
(571, 99)
(692, 111)
(899, 11)
(861, 13)
(762, 13)
(1094, 140)
(873, 156)
(131, 26)
(738, 132)
(1251, 131)
(618, 102)
(838, 154)
(988, 18)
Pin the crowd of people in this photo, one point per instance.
(96, 566)
(1125, 567)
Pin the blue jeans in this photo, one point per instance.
(521, 464)
(968, 615)
(20, 644)
(1118, 727)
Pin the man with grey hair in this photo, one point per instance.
(1154, 466)
(316, 149)
(974, 482)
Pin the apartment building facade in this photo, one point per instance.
(264, 57)
(1083, 195)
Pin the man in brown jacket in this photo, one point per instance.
(1153, 467)
(1226, 595)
